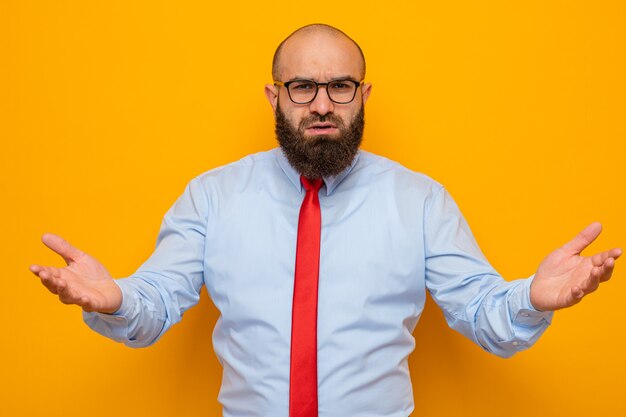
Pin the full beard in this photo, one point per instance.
(320, 155)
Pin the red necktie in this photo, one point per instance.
(303, 376)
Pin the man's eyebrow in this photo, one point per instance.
(338, 78)
(345, 77)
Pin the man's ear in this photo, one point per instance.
(271, 92)
(366, 89)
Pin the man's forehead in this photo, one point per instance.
(320, 58)
(320, 53)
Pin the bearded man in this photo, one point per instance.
(318, 256)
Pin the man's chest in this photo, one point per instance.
(371, 255)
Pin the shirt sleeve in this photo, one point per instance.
(475, 299)
(168, 283)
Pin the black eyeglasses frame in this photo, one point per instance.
(357, 84)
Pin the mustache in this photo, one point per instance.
(316, 118)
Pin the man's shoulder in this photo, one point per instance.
(383, 168)
(243, 166)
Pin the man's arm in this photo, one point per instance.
(139, 309)
(500, 316)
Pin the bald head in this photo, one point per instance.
(313, 36)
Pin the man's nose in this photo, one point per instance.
(322, 103)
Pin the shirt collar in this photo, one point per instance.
(294, 176)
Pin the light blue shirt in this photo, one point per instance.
(388, 235)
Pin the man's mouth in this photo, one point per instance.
(326, 128)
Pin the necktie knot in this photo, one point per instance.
(311, 184)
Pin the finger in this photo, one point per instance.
(87, 304)
(593, 282)
(47, 273)
(583, 239)
(51, 284)
(68, 296)
(605, 271)
(50, 270)
(577, 295)
(50, 279)
(615, 253)
(599, 258)
(35, 269)
(62, 247)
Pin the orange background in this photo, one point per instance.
(107, 109)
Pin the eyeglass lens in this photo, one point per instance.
(338, 91)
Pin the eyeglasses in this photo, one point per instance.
(305, 91)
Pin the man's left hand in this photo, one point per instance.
(564, 277)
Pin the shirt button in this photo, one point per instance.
(515, 343)
(525, 314)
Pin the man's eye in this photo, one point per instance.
(302, 86)
(340, 86)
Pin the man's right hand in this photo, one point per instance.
(84, 281)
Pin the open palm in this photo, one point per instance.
(564, 277)
(84, 281)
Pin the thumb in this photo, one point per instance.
(583, 239)
(62, 247)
